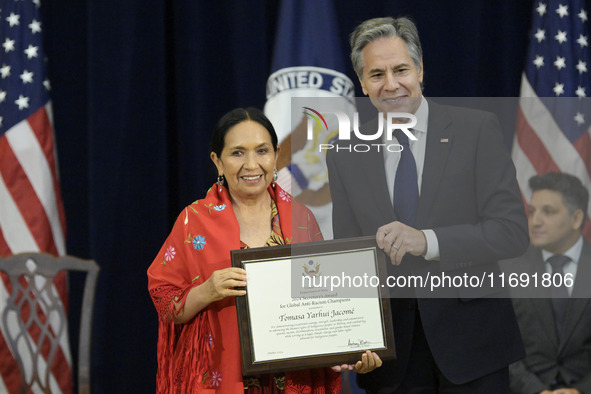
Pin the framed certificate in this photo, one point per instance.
(313, 305)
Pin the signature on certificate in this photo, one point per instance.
(360, 343)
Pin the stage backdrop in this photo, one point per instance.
(136, 89)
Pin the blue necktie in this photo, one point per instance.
(406, 185)
(559, 294)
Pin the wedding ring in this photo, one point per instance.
(394, 246)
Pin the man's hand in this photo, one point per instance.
(369, 361)
(398, 239)
(566, 390)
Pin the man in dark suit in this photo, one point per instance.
(469, 216)
(556, 329)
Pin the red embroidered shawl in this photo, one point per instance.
(203, 355)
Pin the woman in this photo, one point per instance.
(192, 283)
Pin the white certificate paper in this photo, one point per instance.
(285, 327)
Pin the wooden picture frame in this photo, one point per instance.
(279, 332)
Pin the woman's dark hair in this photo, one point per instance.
(235, 117)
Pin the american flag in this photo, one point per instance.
(554, 115)
(31, 212)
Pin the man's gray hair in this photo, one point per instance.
(376, 28)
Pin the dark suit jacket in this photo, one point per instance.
(546, 354)
(470, 198)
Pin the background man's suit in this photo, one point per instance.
(546, 353)
(470, 198)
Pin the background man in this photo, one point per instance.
(470, 212)
(556, 328)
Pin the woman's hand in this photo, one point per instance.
(222, 282)
(369, 361)
(218, 286)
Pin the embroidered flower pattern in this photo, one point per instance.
(216, 379)
(284, 195)
(169, 254)
(220, 208)
(199, 242)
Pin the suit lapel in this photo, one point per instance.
(436, 154)
(582, 288)
(543, 307)
(574, 312)
(580, 296)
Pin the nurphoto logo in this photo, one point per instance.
(394, 121)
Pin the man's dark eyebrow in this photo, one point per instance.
(375, 70)
(399, 66)
(402, 65)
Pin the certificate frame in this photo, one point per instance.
(269, 255)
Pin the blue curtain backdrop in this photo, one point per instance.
(136, 89)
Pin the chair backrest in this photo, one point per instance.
(34, 306)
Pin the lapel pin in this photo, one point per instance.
(444, 140)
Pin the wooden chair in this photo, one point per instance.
(30, 280)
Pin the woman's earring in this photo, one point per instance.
(220, 181)
(275, 176)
